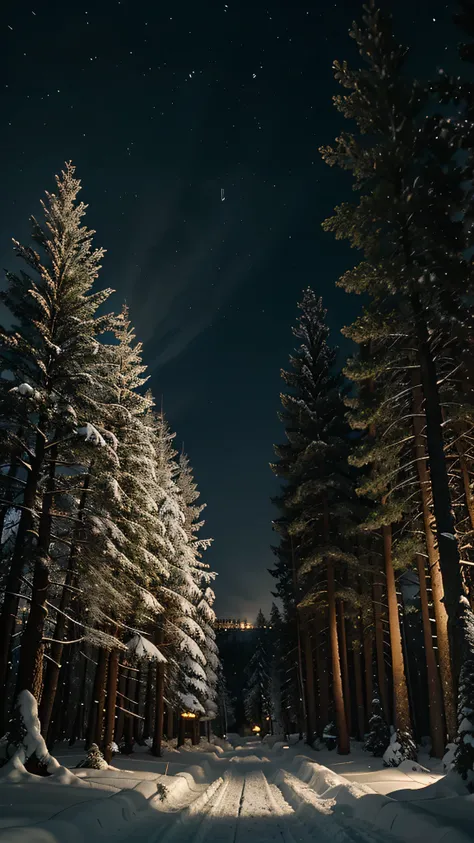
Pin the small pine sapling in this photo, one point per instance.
(95, 760)
(378, 738)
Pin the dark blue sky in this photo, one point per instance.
(162, 105)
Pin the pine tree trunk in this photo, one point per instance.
(129, 719)
(400, 690)
(120, 722)
(53, 667)
(65, 707)
(54, 728)
(160, 698)
(112, 678)
(13, 582)
(368, 649)
(181, 730)
(359, 687)
(299, 666)
(449, 558)
(149, 702)
(321, 671)
(169, 723)
(345, 665)
(435, 704)
(57, 647)
(343, 746)
(309, 686)
(99, 722)
(77, 727)
(379, 644)
(97, 695)
(137, 721)
(439, 607)
(30, 669)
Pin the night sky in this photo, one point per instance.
(161, 106)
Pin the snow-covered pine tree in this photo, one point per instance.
(317, 497)
(114, 521)
(180, 594)
(410, 226)
(49, 353)
(205, 689)
(225, 719)
(257, 692)
(95, 760)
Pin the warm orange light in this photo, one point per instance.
(256, 729)
(188, 715)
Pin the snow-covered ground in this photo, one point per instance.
(252, 792)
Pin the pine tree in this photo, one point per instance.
(464, 754)
(257, 695)
(225, 705)
(415, 271)
(50, 354)
(378, 737)
(318, 495)
(95, 760)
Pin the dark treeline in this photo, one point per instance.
(376, 511)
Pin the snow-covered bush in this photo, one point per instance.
(400, 749)
(95, 760)
(24, 742)
(448, 757)
(378, 738)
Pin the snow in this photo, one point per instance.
(191, 627)
(195, 667)
(254, 792)
(187, 644)
(27, 391)
(92, 435)
(191, 703)
(448, 758)
(150, 602)
(141, 648)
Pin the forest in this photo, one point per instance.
(106, 618)
(375, 518)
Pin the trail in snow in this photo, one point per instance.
(248, 807)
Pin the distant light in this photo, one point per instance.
(285, 747)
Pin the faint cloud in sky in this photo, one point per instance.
(180, 275)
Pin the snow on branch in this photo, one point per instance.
(90, 434)
(143, 649)
(191, 703)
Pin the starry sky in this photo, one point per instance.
(162, 106)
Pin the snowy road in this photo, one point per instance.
(249, 806)
(252, 792)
